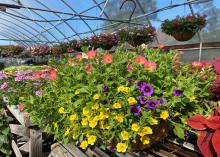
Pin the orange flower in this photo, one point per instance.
(91, 54)
(140, 59)
(89, 68)
(150, 66)
(53, 74)
(78, 56)
(107, 59)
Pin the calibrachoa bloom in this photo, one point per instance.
(96, 96)
(124, 135)
(140, 84)
(19, 78)
(2, 76)
(89, 68)
(132, 101)
(52, 74)
(84, 144)
(145, 131)
(121, 147)
(198, 65)
(164, 115)
(152, 104)
(4, 85)
(150, 66)
(130, 67)
(140, 59)
(135, 127)
(61, 110)
(116, 105)
(91, 54)
(107, 58)
(135, 109)
(177, 92)
(142, 100)
(153, 121)
(38, 92)
(147, 90)
(92, 139)
(78, 56)
(104, 88)
(162, 100)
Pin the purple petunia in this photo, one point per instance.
(177, 92)
(2, 76)
(104, 88)
(19, 78)
(142, 99)
(4, 85)
(38, 92)
(135, 110)
(147, 90)
(162, 100)
(140, 84)
(152, 104)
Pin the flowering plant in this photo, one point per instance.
(107, 40)
(60, 49)
(39, 50)
(137, 35)
(120, 99)
(11, 50)
(190, 23)
(74, 46)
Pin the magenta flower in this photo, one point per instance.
(147, 90)
(4, 85)
(38, 92)
(19, 78)
(43, 76)
(152, 104)
(140, 84)
(2, 76)
(162, 100)
(135, 110)
(177, 92)
(142, 99)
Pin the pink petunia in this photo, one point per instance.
(107, 58)
(150, 66)
(140, 59)
(74, 63)
(78, 56)
(89, 68)
(52, 74)
(198, 65)
(91, 54)
(130, 67)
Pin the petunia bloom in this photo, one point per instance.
(78, 56)
(135, 109)
(107, 58)
(140, 84)
(140, 59)
(177, 92)
(91, 54)
(147, 90)
(152, 104)
(150, 66)
(142, 99)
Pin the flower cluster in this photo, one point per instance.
(12, 50)
(39, 50)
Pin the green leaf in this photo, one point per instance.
(178, 131)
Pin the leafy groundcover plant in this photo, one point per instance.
(119, 99)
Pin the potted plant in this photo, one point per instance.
(107, 40)
(94, 42)
(74, 46)
(136, 36)
(184, 28)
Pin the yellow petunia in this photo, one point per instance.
(119, 118)
(145, 131)
(86, 111)
(84, 144)
(153, 121)
(61, 110)
(72, 117)
(135, 127)
(145, 140)
(92, 123)
(116, 105)
(95, 107)
(121, 147)
(96, 96)
(124, 135)
(132, 101)
(164, 115)
(84, 122)
(92, 139)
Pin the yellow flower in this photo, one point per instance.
(93, 123)
(95, 107)
(164, 115)
(121, 147)
(123, 89)
(85, 111)
(96, 96)
(61, 110)
(55, 124)
(124, 135)
(132, 100)
(145, 140)
(77, 92)
(135, 127)
(103, 116)
(146, 131)
(119, 118)
(126, 89)
(153, 121)
(92, 139)
(192, 98)
(84, 122)
(67, 132)
(72, 117)
(116, 105)
(84, 145)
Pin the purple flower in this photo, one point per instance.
(177, 92)
(28, 77)
(147, 89)
(162, 100)
(104, 88)
(129, 79)
(142, 99)
(19, 78)
(104, 101)
(2, 76)
(4, 85)
(38, 92)
(152, 104)
(135, 110)
(24, 72)
(43, 76)
(140, 84)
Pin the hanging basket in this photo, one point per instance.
(106, 47)
(136, 43)
(183, 36)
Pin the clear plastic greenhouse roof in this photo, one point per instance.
(28, 22)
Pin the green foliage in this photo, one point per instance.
(11, 50)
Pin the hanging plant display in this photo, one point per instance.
(184, 28)
(74, 46)
(136, 36)
(107, 40)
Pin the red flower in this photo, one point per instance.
(89, 68)
(20, 107)
(107, 59)
(198, 65)
(52, 74)
(91, 54)
(140, 59)
(78, 56)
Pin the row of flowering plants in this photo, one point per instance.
(124, 100)
(11, 50)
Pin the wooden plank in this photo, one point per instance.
(75, 151)
(25, 147)
(35, 143)
(100, 152)
(57, 150)
(15, 149)
(19, 130)
(91, 153)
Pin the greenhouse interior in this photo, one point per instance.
(110, 78)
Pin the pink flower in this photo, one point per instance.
(150, 66)
(20, 107)
(78, 56)
(74, 63)
(52, 74)
(198, 65)
(130, 67)
(140, 59)
(89, 68)
(107, 59)
(91, 54)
